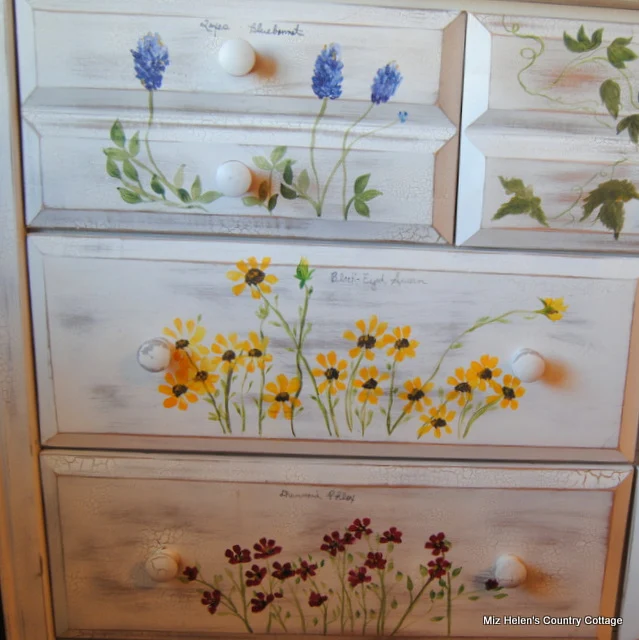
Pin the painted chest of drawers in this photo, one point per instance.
(292, 372)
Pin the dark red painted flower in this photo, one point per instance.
(438, 544)
(237, 555)
(316, 600)
(392, 535)
(306, 570)
(262, 600)
(283, 571)
(360, 527)
(491, 585)
(438, 568)
(255, 575)
(358, 576)
(191, 573)
(334, 542)
(265, 548)
(211, 600)
(375, 561)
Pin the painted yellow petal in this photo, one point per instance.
(318, 373)
(242, 266)
(169, 332)
(265, 288)
(282, 382)
(198, 334)
(255, 293)
(496, 373)
(383, 376)
(504, 403)
(372, 399)
(353, 353)
(514, 405)
(235, 276)
(406, 331)
(332, 358)
(422, 431)
(274, 410)
(361, 325)
(293, 385)
(490, 399)
(322, 386)
(369, 355)
(397, 332)
(321, 359)
(169, 403)
(341, 367)
(252, 261)
(271, 387)
(437, 433)
(191, 397)
(519, 392)
(451, 416)
(349, 335)
(362, 396)
(238, 288)
(338, 386)
(508, 380)
(288, 411)
(372, 323)
(271, 279)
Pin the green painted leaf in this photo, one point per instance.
(423, 571)
(461, 589)
(609, 197)
(287, 192)
(157, 185)
(409, 583)
(500, 596)
(610, 93)
(473, 597)
(263, 191)
(184, 195)
(619, 53)
(583, 42)
(209, 196)
(394, 604)
(361, 183)
(437, 619)
(442, 582)
(632, 124)
(116, 154)
(523, 202)
(315, 622)
(303, 182)
(112, 169)
(369, 195)
(280, 166)
(178, 178)
(277, 154)
(362, 208)
(251, 201)
(134, 144)
(513, 186)
(129, 196)
(612, 215)
(130, 171)
(456, 572)
(288, 174)
(262, 163)
(272, 202)
(432, 594)
(117, 134)
(196, 188)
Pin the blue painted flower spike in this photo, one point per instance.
(403, 116)
(150, 60)
(386, 83)
(328, 78)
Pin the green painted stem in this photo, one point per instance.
(298, 606)
(449, 607)
(227, 395)
(210, 395)
(365, 609)
(331, 411)
(411, 606)
(348, 401)
(320, 115)
(390, 398)
(159, 172)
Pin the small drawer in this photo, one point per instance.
(154, 546)
(550, 131)
(282, 118)
(264, 347)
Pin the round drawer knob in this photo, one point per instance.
(155, 354)
(163, 566)
(528, 365)
(510, 571)
(234, 179)
(237, 57)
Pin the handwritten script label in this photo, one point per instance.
(375, 281)
(257, 27)
(214, 27)
(334, 495)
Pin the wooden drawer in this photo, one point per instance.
(630, 590)
(325, 86)
(466, 541)
(442, 329)
(550, 128)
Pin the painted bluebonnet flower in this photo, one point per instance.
(403, 116)
(328, 78)
(386, 82)
(150, 61)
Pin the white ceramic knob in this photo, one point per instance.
(237, 57)
(155, 354)
(528, 365)
(163, 565)
(510, 571)
(234, 179)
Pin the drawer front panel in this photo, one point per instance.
(434, 366)
(337, 93)
(117, 525)
(549, 139)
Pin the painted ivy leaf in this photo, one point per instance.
(437, 619)
(209, 196)
(262, 163)
(287, 192)
(116, 154)
(130, 197)
(272, 202)
(610, 93)
(361, 183)
(409, 583)
(632, 124)
(362, 208)
(609, 197)
(500, 596)
(263, 191)
(157, 185)
(369, 195)
(130, 171)
(513, 186)
(583, 42)
(523, 201)
(456, 572)
(303, 182)
(134, 144)
(288, 174)
(178, 178)
(473, 598)
(196, 188)
(461, 589)
(184, 195)
(277, 154)
(251, 201)
(112, 169)
(619, 53)
(117, 134)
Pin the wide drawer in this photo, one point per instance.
(375, 548)
(406, 352)
(346, 127)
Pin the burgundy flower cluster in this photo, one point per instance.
(358, 576)
(438, 546)
(211, 600)
(262, 600)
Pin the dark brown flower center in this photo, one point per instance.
(486, 374)
(228, 356)
(255, 353)
(371, 383)
(416, 395)
(438, 423)
(402, 344)
(366, 342)
(179, 389)
(509, 393)
(202, 376)
(181, 344)
(463, 387)
(331, 374)
(254, 277)
(282, 396)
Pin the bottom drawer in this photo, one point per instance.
(153, 546)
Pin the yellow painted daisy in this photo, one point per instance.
(415, 395)
(438, 420)
(333, 371)
(202, 379)
(402, 346)
(252, 274)
(509, 392)
(554, 308)
(481, 373)
(281, 396)
(178, 389)
(187, 335)
(368, 337)
(228, 352)
(256, 355)
(462, 389)
(368, 382)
